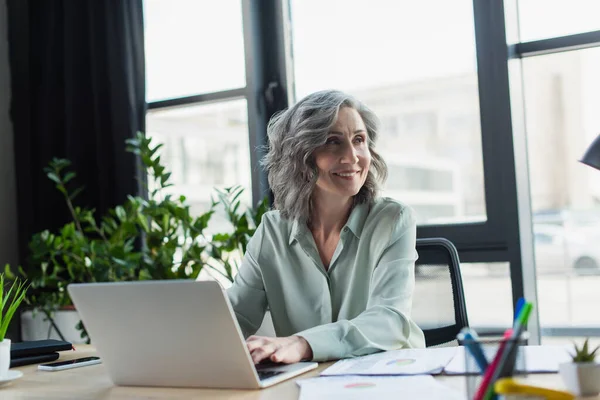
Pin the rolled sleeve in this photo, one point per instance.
(386, 323)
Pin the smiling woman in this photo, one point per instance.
(334, 262)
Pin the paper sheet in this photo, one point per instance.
(538, 359)
(395, 362)
(375, 387)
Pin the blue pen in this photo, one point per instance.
(520, 304)
(471, 341)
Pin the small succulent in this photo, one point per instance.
(584, 354)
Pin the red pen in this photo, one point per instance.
(489, 372)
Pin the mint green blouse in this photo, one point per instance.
(360, 305)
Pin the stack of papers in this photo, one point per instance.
(375, 387)
(407, 373)
(396, 362)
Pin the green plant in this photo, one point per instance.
(9, 302)
(153, 238)
(584, 354)
(227, 248)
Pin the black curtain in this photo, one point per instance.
(78, 92)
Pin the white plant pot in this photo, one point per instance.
(582, 379)
(4, 357)
(37, 327)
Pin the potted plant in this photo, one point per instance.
(145, 238)
(582, 375)
(9, 302)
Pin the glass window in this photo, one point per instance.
(418, 123)
(205, 147)
(432, 299)
(543, 19)
(562, 99)
(193, 47)
(481, 279)
(422, 84)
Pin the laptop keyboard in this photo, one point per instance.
(265, 370)
(262, 375)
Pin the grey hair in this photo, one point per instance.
(294, 135)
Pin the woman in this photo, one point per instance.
(334, 263)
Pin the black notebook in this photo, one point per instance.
(17, 362)
(37, 348)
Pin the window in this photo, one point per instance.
(453, 130)
(480, 280)
(196, 93)
(445, 122)
(542, 19)
(185, 42)
(421, 123)
(205, 71)
(562, 98)
(430, 189)
(206, 147)
(389, 125)
(368, 49)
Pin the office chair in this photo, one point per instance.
(438, 302)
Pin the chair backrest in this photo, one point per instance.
(438, 302)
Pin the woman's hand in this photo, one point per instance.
(288, 350)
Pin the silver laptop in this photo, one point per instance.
(173, 333)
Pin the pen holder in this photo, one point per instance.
(515, 363)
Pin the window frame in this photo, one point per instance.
(266, 81)
(506, 235)
(516, 52)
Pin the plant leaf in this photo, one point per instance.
(53, 177)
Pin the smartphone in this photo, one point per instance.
(78, 362)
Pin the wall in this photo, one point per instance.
(8, 204)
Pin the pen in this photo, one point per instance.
(519, 306)
(469, 338)
(507, 362)
(508, 355)
(487, 376)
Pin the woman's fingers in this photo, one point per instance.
(254, 342)
(281, 350)
(290, 353)
(260, 350)
(280, 355)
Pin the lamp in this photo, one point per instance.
(592, 155)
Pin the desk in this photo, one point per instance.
(93, 383)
